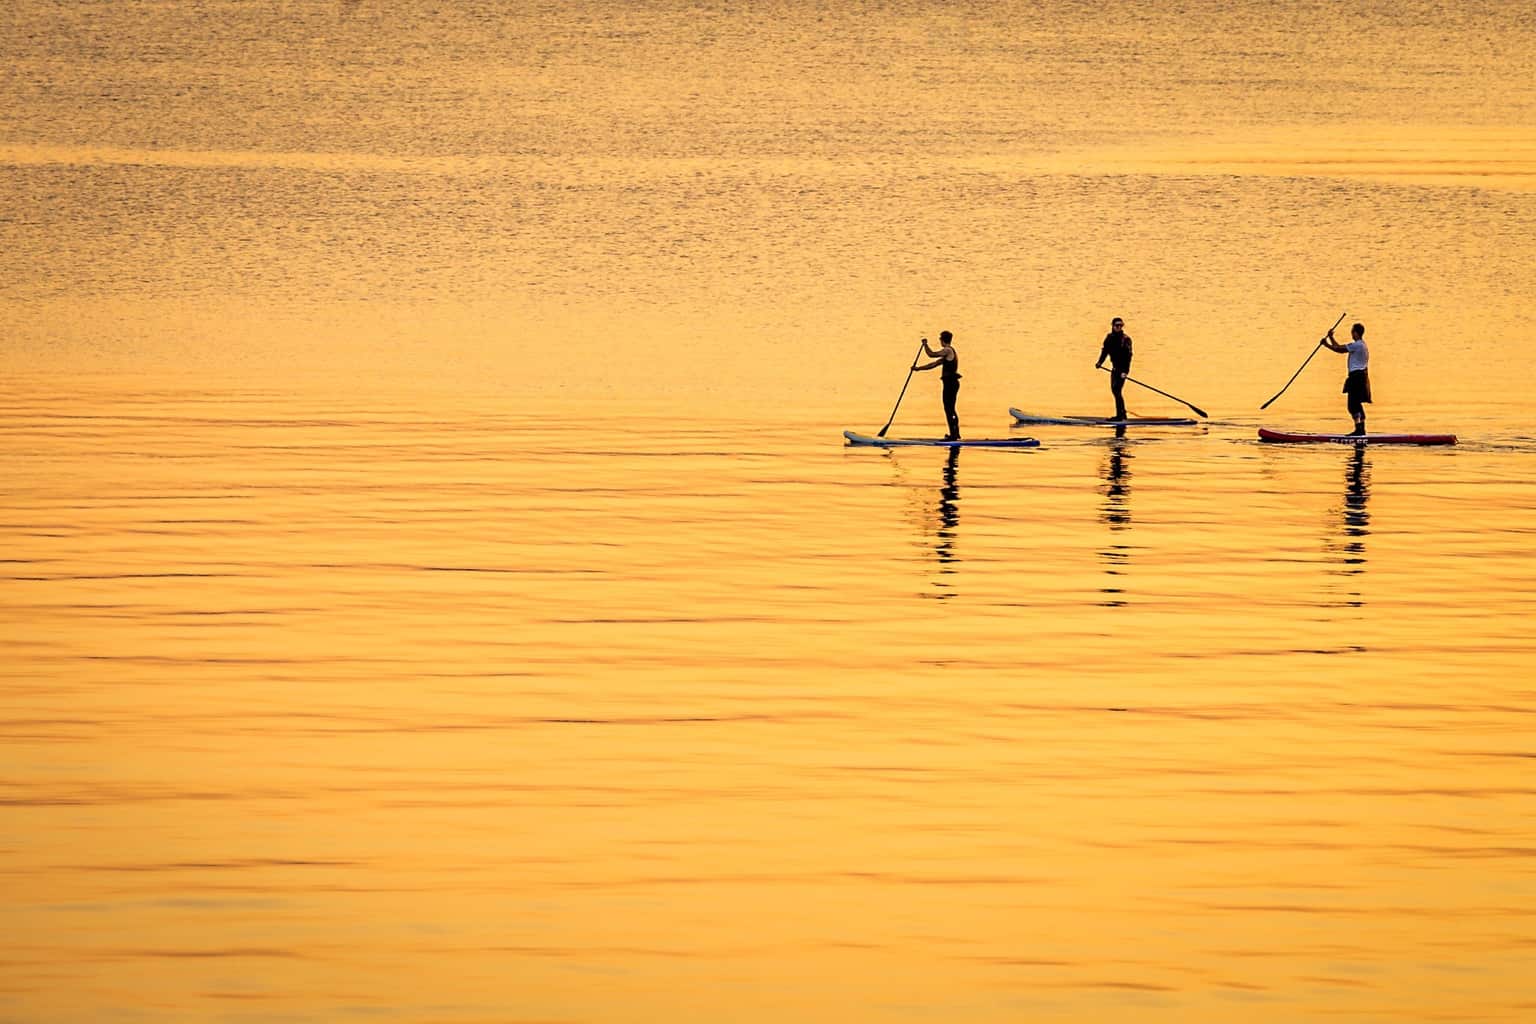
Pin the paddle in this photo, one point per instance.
(920, 347)
(1193, 407)
(1303, 366)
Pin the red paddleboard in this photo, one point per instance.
(1265, 434)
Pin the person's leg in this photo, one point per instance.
(1117, 388)
(952, 392)
(1357, 413)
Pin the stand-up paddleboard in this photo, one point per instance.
(1265, 434)
(1020, 416)
(939, 442)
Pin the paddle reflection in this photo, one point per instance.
(1116, 512)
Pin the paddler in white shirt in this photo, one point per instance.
(1357, 386)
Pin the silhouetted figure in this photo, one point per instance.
(1357, 386)
(1117, 349)
(948, 364)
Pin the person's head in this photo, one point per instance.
(1117, 325)
(945, 337)
(1357, 331)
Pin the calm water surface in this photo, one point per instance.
(446, 710)
(433, 586)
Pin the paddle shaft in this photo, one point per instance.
(1193, 407)
(1303, 366)
(921, 346)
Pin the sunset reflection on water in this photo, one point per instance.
(434, 585)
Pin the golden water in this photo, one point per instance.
(433, 586)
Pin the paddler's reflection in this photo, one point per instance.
(939, 523)
(1357, 514)
(949, 514)
(1347, 548)
(1117, 513)
(1117, 483)
(945, 522)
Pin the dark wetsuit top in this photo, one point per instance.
(1118, 349)
(949, 370)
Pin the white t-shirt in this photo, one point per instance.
(1359, 355)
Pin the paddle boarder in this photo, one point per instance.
(949, 375)
(1357, 386)
(1117, 349)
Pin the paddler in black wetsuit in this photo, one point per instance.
(1117, 349)
(949, 375)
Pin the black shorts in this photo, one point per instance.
(1358, 386)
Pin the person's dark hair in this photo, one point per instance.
(945, 337)
(1358, 330)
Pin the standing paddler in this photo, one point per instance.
(1117, 349)
(949, 367)
(1357, 386)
